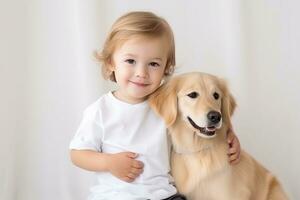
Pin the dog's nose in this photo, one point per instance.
(214, 116)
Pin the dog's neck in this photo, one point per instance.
(178, 150)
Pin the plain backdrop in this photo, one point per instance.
(48, 76)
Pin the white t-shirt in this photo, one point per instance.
(111, 126)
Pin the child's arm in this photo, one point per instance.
(121, 165)
(234, 147)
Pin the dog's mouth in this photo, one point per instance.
(208, 131)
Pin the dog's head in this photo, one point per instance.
(200, 100)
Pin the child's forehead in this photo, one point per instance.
(142, 39)
(153, 45)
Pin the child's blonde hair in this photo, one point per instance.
(136, 24)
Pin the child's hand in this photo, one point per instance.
(124, 166)
(234, 147)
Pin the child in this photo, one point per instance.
(120, 137)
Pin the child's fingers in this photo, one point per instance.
(136, 171)
(230, 136)
(127, 179)
(232, 150)
(233, 155)
(132, 175)
(236, 145)
(234, 159)
(234, 162)
(138, 164)
(132, 155)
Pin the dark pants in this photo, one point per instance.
(176, 197)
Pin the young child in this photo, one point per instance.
(120, 137)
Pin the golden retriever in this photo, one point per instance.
(197, 108)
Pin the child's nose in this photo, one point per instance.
(141, 71)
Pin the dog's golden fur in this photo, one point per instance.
(200, 165)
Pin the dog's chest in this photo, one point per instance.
(208, 175)
(210, 164)
(213, 187)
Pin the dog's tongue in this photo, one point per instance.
(211, 128)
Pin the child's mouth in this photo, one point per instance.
(139, 84)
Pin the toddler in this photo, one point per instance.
(120, 137)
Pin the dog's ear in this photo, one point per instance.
(228, 103)
(164, 101)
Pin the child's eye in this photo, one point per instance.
(130, 61)
(154, 64)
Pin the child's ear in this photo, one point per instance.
(164, 101)
(111, 70)
(110, 65)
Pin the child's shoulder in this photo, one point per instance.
(95, 107)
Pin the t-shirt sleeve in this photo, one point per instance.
(89, 133)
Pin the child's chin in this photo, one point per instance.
(140, 94)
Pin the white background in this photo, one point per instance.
(48, 76)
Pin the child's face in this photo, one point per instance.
(139, 66)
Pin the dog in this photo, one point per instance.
(197, 108)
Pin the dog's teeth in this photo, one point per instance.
(210, 129)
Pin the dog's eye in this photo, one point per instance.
(193, 95)
(216, 95)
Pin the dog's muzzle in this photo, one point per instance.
(213, 119)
